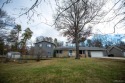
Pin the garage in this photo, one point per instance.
(96, 54)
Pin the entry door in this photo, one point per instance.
(70, 52)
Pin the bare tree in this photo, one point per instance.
(118, 14)
(55, 41)
(5, 22)
(31, 11)
(40, 53)
(3, 14)
(120, 11)
(51, 39)
(26, 11)
(5, 19)
(74, 16)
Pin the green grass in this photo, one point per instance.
(64, 70)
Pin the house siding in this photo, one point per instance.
(65, 53)
(44, 50)
(116, 52)
(105, 53)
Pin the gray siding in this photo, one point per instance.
(44, 50)
(105, 53)
(116, 52)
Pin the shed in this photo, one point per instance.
(14, 55)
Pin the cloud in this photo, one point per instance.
(47, 31)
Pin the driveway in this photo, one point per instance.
(120, 58)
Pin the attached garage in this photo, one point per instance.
(96, 54)
(94, 51)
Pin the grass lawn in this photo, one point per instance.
(64, 70)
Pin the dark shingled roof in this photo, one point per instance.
(44, 41)
(80, 48)
(121, 48)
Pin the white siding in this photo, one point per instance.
(14, 55)
(17, 56)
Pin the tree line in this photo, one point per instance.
(99, 40)
(10, 35)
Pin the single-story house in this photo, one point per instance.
(116, 51)
(44, 49)
(83, 51)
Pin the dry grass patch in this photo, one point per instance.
(63, 70)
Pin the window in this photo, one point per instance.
(81, 51)
(49, 53)
(49, 45)
(59, 51)
(40, 45)
(70, 51)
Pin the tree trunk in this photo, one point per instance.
(77, 47)
(17, 41)
(23, 48)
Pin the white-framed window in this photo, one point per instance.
(40, 45)
(49, 45)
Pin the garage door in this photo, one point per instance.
(96, 54)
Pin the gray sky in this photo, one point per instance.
(40, 25)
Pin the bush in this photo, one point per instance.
(38, 58)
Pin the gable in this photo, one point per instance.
(116, 52)
(113, 47)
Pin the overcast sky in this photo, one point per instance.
(41, 25)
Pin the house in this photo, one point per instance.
(116, 51)
(44, 49)
(83, 51)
